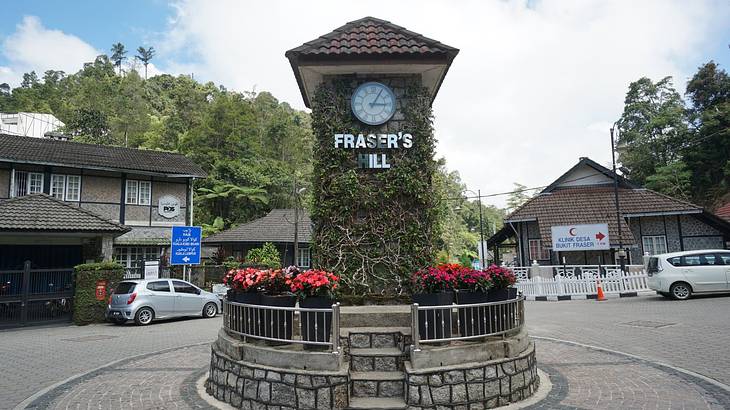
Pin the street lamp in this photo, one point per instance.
(297, 194)
(478, 196)
(621, 251)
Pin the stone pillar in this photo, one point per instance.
(107, 249)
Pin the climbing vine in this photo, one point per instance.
(373, 227)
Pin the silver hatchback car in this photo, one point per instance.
(146, 300)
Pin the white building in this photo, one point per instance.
(29, 124)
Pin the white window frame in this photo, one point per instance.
(58, 192)
(542, 253)
(25, 188)
(144, 186)
(304, 255)
(127, 255)
(73, 195)
(649, 244)
(133, 199)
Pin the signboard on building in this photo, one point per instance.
(168, 206)
(185, 246)
(580, 237)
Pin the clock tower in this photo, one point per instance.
(370, 85)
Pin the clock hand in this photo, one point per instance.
(372, 104)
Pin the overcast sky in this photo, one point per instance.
(536, 85)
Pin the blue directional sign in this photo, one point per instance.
(185, 247)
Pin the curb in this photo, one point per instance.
(77, 377)
(592, 296)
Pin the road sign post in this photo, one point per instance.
(185, 245)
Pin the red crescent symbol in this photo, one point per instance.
(571, 231)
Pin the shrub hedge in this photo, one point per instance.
(86, 308)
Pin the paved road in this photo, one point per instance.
(692, 334)
(35, 358)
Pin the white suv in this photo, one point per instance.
(682, 274)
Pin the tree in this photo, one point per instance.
(652, 128)
(145, 55)
(119, 53)
(517, 197)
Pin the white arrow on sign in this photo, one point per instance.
(186, 259)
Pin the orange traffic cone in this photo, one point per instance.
(600, 297)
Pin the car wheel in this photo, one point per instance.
(680, 291)
(144, 316)
(210, 310)
(119, 321)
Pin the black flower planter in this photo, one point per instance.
(496, 295)
(252, 321)
(473, 320)
(278, 324)
(434, 324)
(316, 326)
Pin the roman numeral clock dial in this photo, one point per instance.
(373, 103)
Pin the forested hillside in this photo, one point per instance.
(253, 147)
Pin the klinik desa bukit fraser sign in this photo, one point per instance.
(580, 237)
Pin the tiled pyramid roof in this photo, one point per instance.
(276, 226)
(42, 213)
(372, 36)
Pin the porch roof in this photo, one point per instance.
(43, 213)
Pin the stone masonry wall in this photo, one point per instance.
(249, 386)
(482, 386)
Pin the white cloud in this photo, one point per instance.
(532, 89)
(35, 47)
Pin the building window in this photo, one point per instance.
(654, 245)
(145, 189)
(132, 191)
(26, 183)
(73, 187)
(305, 258)
(58, 186)
(138, 192)
(128, 256)
(537, 252)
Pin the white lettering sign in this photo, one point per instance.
(373, 141)
(580, 237)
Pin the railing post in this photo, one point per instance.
(336, 328)
(415, 335)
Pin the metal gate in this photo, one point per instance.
(32, 296)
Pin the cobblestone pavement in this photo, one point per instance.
(157, 381)
(692, 334)
(36, 358)
(583, 378)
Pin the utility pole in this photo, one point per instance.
(296, 224)
(621, 252)
(481, 229)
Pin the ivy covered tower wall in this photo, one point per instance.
(375, 209)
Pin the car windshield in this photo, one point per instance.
(124, 288)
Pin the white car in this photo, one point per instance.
(681, 274)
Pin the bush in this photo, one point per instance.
(86, 308)
(266, 255)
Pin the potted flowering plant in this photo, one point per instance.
(433, 286)
(472, 287)
(503, 279)
(277, 292)
(244, 284)
(315, 289)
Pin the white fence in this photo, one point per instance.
(585, 283)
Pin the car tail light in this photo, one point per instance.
(132, 297)
(110, 300)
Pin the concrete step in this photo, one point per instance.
(376, 403)
(377, 384)
(374, 337)
(386, 359)
(375, 316)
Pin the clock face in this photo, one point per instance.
(373, 103)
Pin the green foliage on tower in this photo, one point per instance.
(373, 227)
